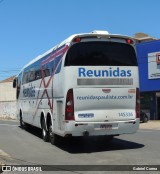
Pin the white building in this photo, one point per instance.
(7, 99)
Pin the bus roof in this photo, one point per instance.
(69, 39)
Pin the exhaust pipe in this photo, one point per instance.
(85, 133)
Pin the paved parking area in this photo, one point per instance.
(141, 148)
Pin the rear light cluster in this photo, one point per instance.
(158, 58)
(77, 39)
(69, 110)
(137, 103)
(129, 41)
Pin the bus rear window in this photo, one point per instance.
(101, 54)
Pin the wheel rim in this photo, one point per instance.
(44, 132)
(50, 130)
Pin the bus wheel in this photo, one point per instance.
(23, 125)
(52, 136)
(44, 131)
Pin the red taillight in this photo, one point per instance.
(158, 58)
(129, 41)
(69, 111)
(137, 103)
(77, 39)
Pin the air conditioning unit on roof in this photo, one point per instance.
(100, 32)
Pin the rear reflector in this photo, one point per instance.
(69, 110)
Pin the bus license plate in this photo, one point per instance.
(106, 126)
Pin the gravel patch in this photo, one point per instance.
(7, 118)
(152, 124)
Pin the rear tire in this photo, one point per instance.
(53, 137)
(45, 133)
(23, 125)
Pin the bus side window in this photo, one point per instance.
(51, 67)
(32, 76)
(25, 78)
(58, 64)
(38, 74)
(46, 71)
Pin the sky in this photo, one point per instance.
(29, 28)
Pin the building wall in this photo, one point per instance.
(7, 100)
(149, 86)
(8, 110)
(143, 49)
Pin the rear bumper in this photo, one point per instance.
(101, 128)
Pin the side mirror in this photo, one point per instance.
(15, 83)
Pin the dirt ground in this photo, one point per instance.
(152, 124)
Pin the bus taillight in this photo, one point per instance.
(129, 41)
(137, 103)
(77, 39)
(69, 110)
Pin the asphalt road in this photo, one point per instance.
(18, 146)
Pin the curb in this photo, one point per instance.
(1, 164)
(8, 118)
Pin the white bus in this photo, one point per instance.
(88, 85)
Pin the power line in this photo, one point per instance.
(8, 68)
(6, 71)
